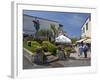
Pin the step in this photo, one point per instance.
(51, 58)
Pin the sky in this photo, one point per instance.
(71, 21)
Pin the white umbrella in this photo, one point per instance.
(62, 39)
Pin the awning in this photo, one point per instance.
(87, 41)
(79, 41)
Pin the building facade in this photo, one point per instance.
(31, 23)
(86, 32)
(86, 28)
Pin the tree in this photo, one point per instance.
(54, 30)
(74, 39)
(47, 33)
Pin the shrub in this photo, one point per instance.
(29, 43)
(45, 48)
(51, 47)
(35, 43)
(27, 47)
(32, 45)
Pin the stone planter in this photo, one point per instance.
(29, 56)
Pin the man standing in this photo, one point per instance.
(85, 49)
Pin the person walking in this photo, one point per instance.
(85, 49)
(80, 49)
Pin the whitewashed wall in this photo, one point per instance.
(87, 33)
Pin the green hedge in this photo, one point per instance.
(29, 43)
(35, 43)
(25, 45)
(51, 47)
(32, 45)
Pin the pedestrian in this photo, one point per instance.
(80, 49)
(85, 49)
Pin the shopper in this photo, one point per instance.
(85, 49)
(80, 49)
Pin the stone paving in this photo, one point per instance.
(73, 61)
(76, 55)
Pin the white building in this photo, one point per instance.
(86, 31)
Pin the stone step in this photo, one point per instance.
(47, 53)
(51, 58)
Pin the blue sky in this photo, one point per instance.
(71, 21)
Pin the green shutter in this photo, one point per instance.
(86, 26)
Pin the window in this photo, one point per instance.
(83, 30)
(89, 18)
(86, 26)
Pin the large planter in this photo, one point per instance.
(27, 54)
